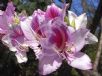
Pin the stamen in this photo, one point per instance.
(66, 20)
(73, 23)
(16, 21)
(70, 48)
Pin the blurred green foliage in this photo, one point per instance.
(29, 6)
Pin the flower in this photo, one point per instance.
(80, 22)
(12, 35)
(53, 40)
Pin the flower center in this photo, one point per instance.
(16, 21)
(70, 48)
(66, 20)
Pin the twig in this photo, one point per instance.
(97, 17)
(98, 52)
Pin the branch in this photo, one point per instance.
(97, 17)
(98, 52)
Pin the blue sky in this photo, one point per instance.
(77, 6)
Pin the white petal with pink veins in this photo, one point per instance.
(21, 57)
(80, 61)
(90, 39)
(81, 21)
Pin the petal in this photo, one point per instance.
(16, 32)
(10, 10)
(45, 28)
(52, 11)
(21, 56)
(21, 53)
(36, 24)
(16, 36)
(90, 39)
(17, 41)
(81, 21)
(47, 47)
(7, 41)
(63, 12)
(35, 46)
(2, 31)
(71, 29)
(38, 12)
(80, 61)
(49, 60)
(3, 24)
(72, 16)
(32, 44)
(1, 12)
(26, 28)
(59, 34)
(49, 64)
(78, 38)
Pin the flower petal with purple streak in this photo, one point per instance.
(80, 61)
(52, 11)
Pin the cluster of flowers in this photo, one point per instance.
(53, 35)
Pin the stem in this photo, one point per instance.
(97, 17)
(98, 55)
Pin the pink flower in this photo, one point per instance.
(12, 35)
(79, 22)
(52, 41)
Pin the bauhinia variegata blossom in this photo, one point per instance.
(53, 36)
(11, 33)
